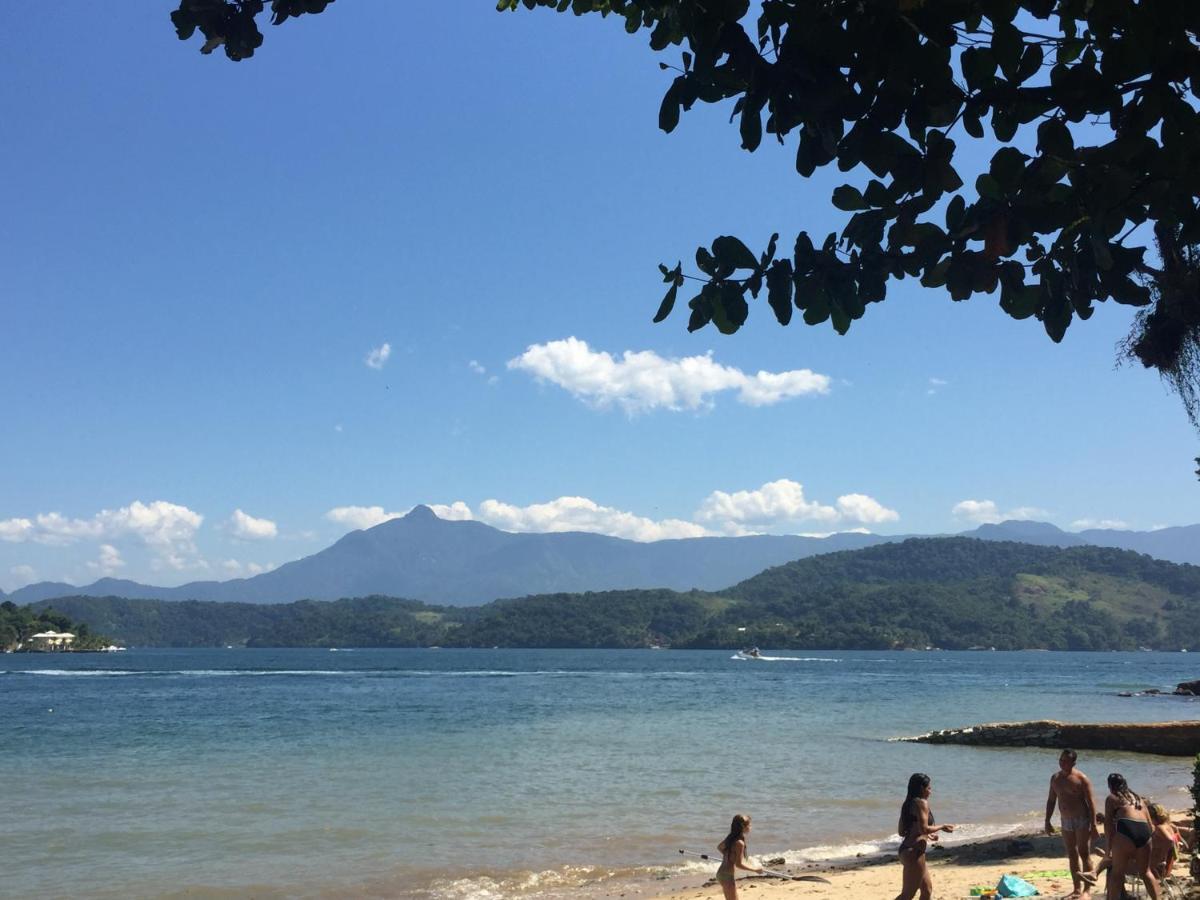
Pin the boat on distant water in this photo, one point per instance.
(750, 653)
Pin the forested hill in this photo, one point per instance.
(952, 593)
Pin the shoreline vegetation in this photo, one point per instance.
(922, 594)
(957, 870)
(19, 624)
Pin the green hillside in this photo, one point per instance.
(953, 593)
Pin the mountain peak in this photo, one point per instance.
(421, 513)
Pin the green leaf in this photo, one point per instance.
(668, 113)
(955, 212)
(978, 67)
(987, 186)
(1007, 45)
(1007, 167)
(1031, 62)
(668, 303)
(848, 198)
(1054, 139)
(779, 290)
(732, 253)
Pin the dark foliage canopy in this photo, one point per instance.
(892, 87)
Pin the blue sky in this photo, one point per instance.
(203, 261)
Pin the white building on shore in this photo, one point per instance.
(52, 640)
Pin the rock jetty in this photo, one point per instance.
(1163, 738)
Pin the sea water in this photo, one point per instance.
(495, 774)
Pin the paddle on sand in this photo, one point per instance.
(784, 875)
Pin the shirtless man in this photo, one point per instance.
(1072, 792)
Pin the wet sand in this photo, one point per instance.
(1038, 858)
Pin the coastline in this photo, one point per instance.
(1037, 857)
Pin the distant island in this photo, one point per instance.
(948, 593)
(21, 628)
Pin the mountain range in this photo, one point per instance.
(466, 563)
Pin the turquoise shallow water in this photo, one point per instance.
(486, 775)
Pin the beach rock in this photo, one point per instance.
(1188, 688)
(1162, 738)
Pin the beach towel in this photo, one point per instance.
(1012, 886)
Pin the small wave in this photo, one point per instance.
(829, 853)
(519, 884)
(72, 673)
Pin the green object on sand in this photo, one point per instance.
(1064, 873)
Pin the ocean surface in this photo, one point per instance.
(497, 774)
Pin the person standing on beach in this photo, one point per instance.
(1129, 829)
(1072, 792)
(917, 830)
(733, 856)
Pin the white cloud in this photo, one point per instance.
(780, 503)
(476, 367)
(23, 575)
(108, 562)
(241, 570)
(166, 528)
(641, 381)
(986, 512)
(16, 530)
(1084, 524)
(936, 384)
(360, 516)
(370, 516)
(455, 512)
(249, 528)
(378, 357)
(861, 508)
(582, 514)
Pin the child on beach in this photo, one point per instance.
(734, 857)
(917, 829)
(1164, 843)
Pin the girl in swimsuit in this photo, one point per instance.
(733, 856)
(1128, 829)
(1164, 844)
(917, 829)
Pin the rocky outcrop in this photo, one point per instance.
(1163, 738)
(1188, 688)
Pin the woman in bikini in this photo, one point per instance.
(1127, 830)
(733, 856)
(917, 829)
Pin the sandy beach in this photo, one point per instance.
(1038, 858)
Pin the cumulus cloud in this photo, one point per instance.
(236, 569)
(1114, 524)
(16, 530)
(108, 562)
(781, 503)
(378, 357)
(360, 516)
(166, 528)
(582, 514)
(642, 381)
(370, 516)
(455, 512)
(250, 528)
(986, 512)
(935, 385)
(22, 575)
(477, 367)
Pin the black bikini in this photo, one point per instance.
(1137, 830)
